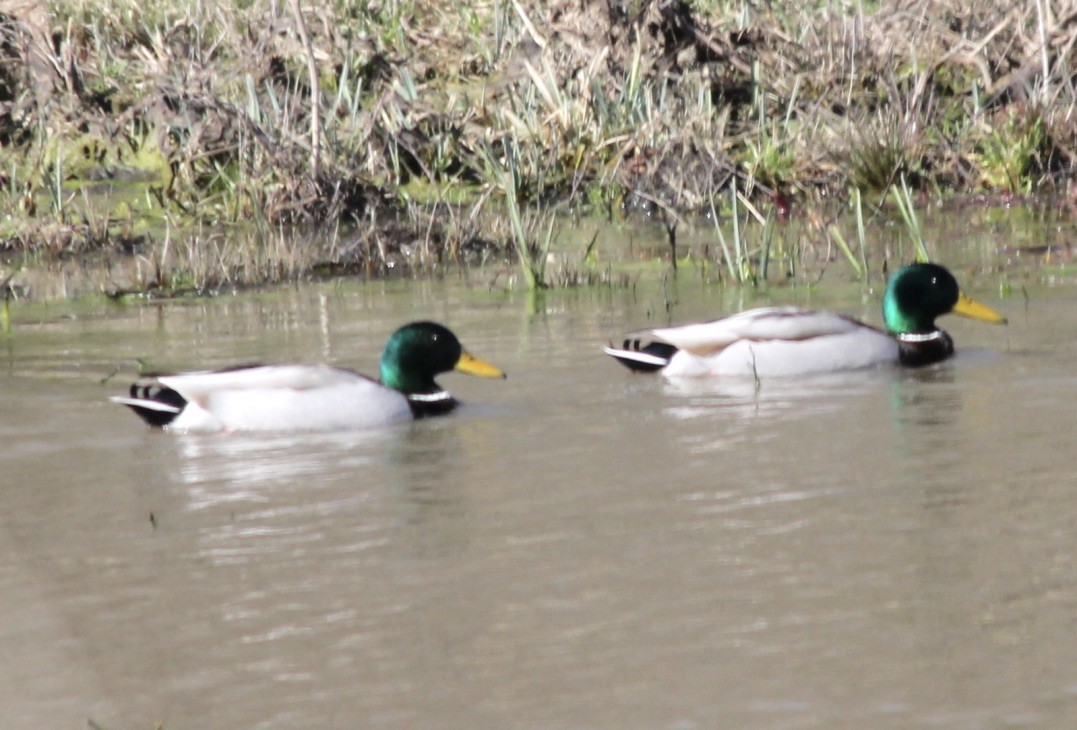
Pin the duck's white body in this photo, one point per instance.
(789, 341)
(769, 342)
(273, 398)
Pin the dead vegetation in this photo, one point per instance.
(406, 123)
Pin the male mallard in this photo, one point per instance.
(305, 397)
(782, 341)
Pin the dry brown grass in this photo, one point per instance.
(409, 116)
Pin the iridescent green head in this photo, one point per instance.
(918, 293)
(419, 351)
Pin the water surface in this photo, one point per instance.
(578, 547)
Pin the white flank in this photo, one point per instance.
(776, 342)
(283, 398)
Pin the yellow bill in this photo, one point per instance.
(969, 307)
(474, 366)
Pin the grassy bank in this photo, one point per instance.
(199, 136)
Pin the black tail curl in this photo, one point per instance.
(643, 358)
(158, 394)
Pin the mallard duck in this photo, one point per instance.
(785, 341)
(308, 397)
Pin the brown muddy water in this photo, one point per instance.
(577, 548)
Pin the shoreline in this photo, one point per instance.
(428, 127)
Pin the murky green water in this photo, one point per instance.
(577, 548)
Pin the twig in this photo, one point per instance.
(535, 35)
(315, 95)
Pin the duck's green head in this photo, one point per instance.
(421, 350)
(918, 293)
